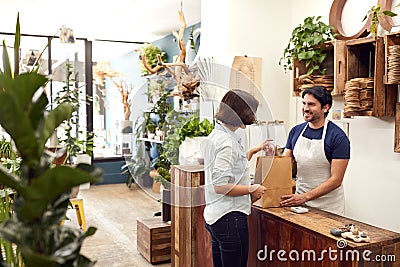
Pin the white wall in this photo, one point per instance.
(262, 29)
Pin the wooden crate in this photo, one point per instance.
(335, 65)
(366, 58)
(154, 239)
(390, 40)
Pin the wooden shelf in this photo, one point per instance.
(151, 140)
(335, 65)
(366, 58)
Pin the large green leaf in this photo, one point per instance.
(34, 259)
(24, 86)
(45, 189)
(54, 118)
(6, 61)
(9, 179)
(17, 42)
(20, 129)
(36, 114)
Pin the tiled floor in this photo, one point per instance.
(113, 210)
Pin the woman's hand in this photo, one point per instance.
(256, 191)
(267, 146)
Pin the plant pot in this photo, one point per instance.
(151, 135)
(166, 205)
(159, 133)
(189, 150)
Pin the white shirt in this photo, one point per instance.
(225, 162)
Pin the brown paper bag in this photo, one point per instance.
(275, 173)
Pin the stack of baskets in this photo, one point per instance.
(359, 95)
(393, 64)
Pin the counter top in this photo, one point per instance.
(321, 222)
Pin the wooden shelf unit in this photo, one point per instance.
(366, 58)
(335, 65)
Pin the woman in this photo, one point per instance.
(228, 189)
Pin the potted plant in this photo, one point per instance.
(42, 189)
(179, 128)
(376, 13)
(151, 129)
(306, 44)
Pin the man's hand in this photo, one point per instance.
(293, 200)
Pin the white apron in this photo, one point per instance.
(313, 168)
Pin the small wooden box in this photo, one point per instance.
(154, 239)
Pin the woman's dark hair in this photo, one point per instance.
(321, 94)
(237, 107)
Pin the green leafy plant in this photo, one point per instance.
(71, 136)
(179, 127)
(193, 127)
(9, 158)
(376, 13)
(161, 108)
(306, 43)
(151, 127)
(42, 189)
(151, 51)
(6, 149)
(138, 164)
(191, 39)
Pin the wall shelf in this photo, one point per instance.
(151, 140)
(366, 58)
(335, 65)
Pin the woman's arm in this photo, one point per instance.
(239, 190)
(261, 146)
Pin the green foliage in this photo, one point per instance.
(42, 189)
(179, 127)
(6, 149)
(376, 13)
(138, 165)
(151, 127)
(161, 109)
(151, 51)
(306, 43)
(70, 138)
(193, 127)
(164, 177)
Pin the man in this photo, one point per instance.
(322, 152)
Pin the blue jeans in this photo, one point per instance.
(230, 240)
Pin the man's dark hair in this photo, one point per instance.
(321, 94)
(237, 107)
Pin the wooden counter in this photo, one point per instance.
(278, 229)
(275, 231)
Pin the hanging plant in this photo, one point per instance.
(306, 44)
